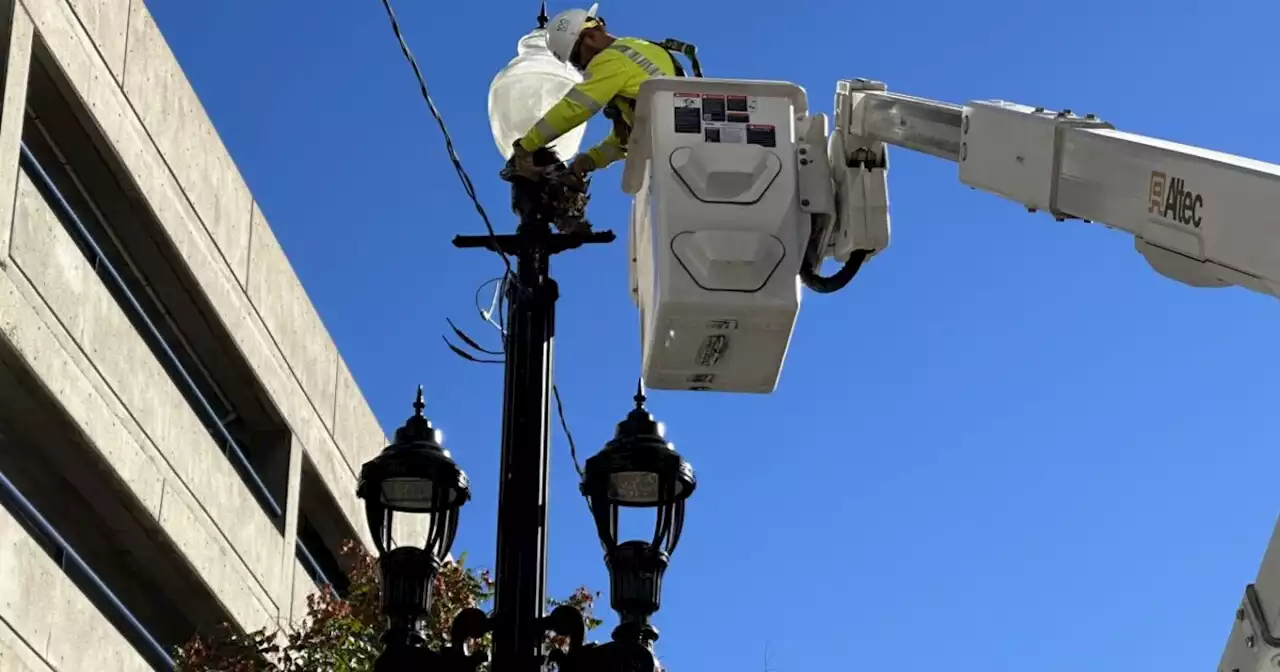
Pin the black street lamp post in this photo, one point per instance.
(520, 568)
(416, 475)
(638, 468)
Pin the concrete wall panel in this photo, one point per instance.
(163, 137)
(50, 614)
(139, 466)
(15, 655)
(46, 253)
(58, 24)
(172, 113)
(107, 22)
(18, 56)
(288, 552)
(121, 445)
(26, 575)
(214, 559)
(302, 587)
(84, 639)
(284, 306)
(357, 431)
(157, 185)
(52, 261)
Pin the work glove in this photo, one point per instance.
(522, 161)
(582, 164)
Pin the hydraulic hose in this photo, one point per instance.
(832, 283)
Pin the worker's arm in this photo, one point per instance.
(608, 151)
(605, 76)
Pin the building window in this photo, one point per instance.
(44, 501)
(320, 563)
(64, 163)
(322, 527)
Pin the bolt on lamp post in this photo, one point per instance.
(416, 476)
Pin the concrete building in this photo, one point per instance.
(179, 437)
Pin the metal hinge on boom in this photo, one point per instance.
(1253, 647)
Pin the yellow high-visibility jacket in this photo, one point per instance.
(613, 75)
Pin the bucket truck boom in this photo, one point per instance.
(1201, 217)
(741, 194)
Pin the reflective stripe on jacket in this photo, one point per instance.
(613, 76)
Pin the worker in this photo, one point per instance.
(613, 69)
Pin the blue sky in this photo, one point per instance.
(1008, 444)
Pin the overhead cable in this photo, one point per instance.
(470, 190)
(467, 186)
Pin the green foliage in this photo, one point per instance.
(340, 635)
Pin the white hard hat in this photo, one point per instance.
(564, 29)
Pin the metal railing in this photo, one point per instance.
(74, 567)
(151, 333)
(314, 570)
(213, 423)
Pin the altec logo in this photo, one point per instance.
(1171, 199)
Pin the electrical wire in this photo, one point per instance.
(467, 186)
(564, 425)
(496, 315)
(498, 305)
(494, 304)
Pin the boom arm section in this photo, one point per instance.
(1254, 645)
(1201, 217)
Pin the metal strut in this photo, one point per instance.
(1257, 619)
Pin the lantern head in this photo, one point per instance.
(414, 475)
(639, 468)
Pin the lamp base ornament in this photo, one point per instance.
(629, 651)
